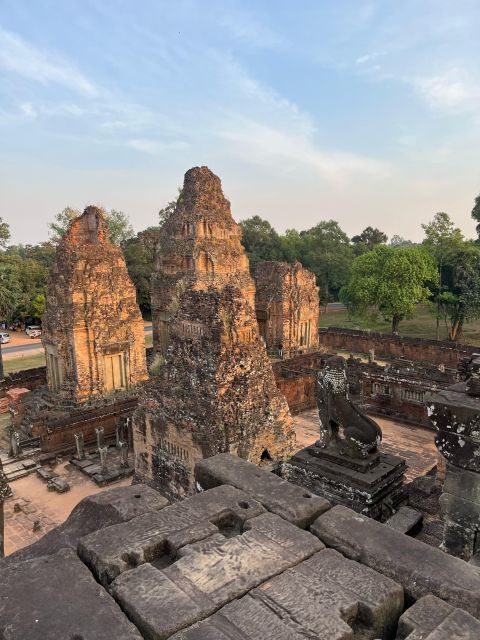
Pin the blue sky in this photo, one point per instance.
(365, 112)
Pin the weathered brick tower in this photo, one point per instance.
(287, 307)
(199, 247)
(92, 328)
(216, 392)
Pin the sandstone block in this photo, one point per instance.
(433, 619)
(289, 501)
(195, 586)
(326, 597)
(56, 598)
(419, 568)
(153, 536)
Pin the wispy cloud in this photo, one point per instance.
(22, 58)
(449, 91)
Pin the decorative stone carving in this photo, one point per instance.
(342, 424)
(216, 392)
(92, 328)
(287, 307)
(455, 413)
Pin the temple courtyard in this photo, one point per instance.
(38, 505)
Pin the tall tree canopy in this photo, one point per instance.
(442, 240)
(390, 282)
(140, 255)
(368, 239)
(476, 213)
(260, 240)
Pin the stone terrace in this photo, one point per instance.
(250, 556)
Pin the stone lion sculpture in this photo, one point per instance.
(342, 425)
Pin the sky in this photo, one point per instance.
(364, 112)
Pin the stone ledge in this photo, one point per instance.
(433, 619)
(291, 502)
(419, 568)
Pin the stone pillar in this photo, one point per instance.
(79, 446)
(455, 413)
(103, 451)
(100, 433)
(123, 447)
(15, 449)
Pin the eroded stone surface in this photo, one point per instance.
(158, 536)
(92, 328)
(216, 390)
(433, 619)
(196, 585)
(56, 598)
(325, 597)
(287, 307)
(419, 568)
(293, 503)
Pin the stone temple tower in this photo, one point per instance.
(199, 247)
(216, 391)
(92, 328)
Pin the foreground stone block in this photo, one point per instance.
(325, 597)
(163, 602)
(433, 619)
(406, 520)
(57, 598)
(95, 512)
(290, 502)
(157, 537)
(419, 568)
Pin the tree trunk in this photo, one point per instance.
(456, 330)
(395, 324)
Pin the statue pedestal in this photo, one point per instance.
(372, 485)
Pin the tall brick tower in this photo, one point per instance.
(199, 248)
(216, 391)
(92, 328)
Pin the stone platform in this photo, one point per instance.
(372, 485)
(263, 559)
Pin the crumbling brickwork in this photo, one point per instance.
(92, 328)
(216, 392)
(287, 307)
(199, 248)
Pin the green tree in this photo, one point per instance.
(140, 256)
(9, 292)
(459, 301)
(169, 208)
(442, 240)
(327, 252)
(476, 213)
(260, 240)
(4, 233)
(120, 229)
(368, 239)
(390, 282)
(399, 241)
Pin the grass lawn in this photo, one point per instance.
(422, 325)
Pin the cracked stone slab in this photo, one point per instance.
(419, 568)
(163, 602)
(111, 551)
(55, 597)
(326, 597)
(289, 501)
(433, 619)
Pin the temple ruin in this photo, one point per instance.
(199, 248)
(92, 328)
(216, 392)
(287, 307)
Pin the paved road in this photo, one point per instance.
(38, 345)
